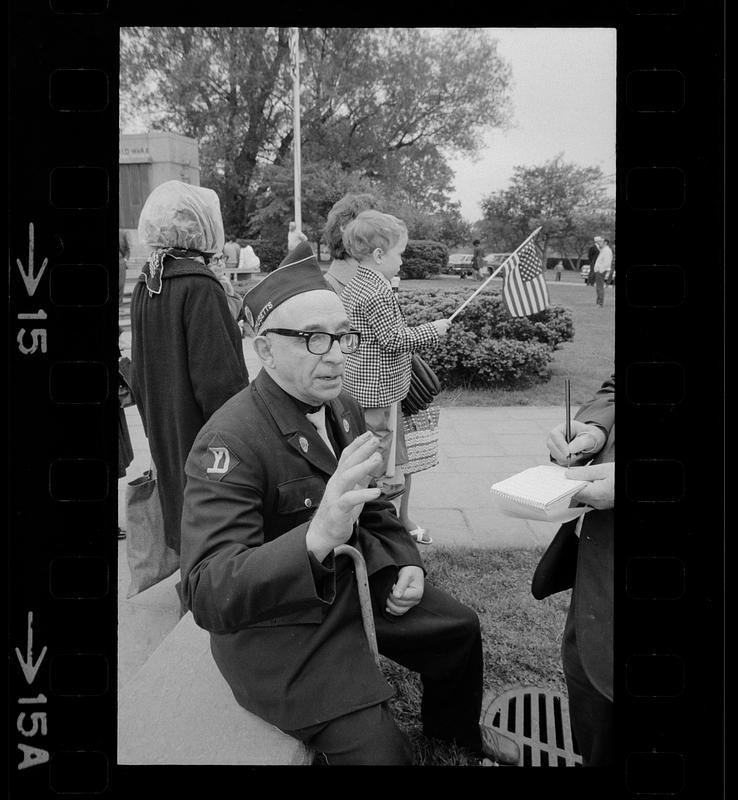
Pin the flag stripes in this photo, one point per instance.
(524, 288)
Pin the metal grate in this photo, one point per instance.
(538, 720)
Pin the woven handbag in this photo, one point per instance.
(421, 440)
(424, 386)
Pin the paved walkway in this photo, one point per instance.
(478, 446)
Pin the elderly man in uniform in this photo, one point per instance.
(276, 480)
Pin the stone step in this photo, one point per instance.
(178, 709)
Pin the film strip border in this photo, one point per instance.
(669, 541)
(63, 112)
(63, 404)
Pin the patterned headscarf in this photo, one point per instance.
(179, 221)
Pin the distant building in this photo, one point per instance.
(146, 160)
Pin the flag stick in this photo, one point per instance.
(469, 299)
(296, 114)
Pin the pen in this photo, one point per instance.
(567, 391)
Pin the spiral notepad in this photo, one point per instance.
(539, 492)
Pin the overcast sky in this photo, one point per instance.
(564, 99)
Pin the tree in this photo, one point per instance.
(322, 184)
(558, 196)
(382, 104)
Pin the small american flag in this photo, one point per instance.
(524, 287)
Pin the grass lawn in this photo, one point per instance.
(587, 360)
(521, 636)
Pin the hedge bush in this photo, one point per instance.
(423, 258)
(485, 346)
(271, 252)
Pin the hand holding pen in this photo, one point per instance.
(586, 440)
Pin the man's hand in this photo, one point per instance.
(600, 493)
(586, 441)
(345, 495)
(407, 592)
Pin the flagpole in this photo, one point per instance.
(469, 299)
(295, 41)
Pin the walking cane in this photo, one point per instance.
(365, 600)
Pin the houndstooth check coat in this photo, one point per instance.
(378, 373)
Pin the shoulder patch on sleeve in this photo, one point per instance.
(219, 459)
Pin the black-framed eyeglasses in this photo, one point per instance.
(320, 342)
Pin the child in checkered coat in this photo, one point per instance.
(378, 373)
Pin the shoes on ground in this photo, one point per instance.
(421, 536)
(499, 747)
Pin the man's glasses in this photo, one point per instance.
(319, 343)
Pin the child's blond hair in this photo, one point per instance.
(372, 229)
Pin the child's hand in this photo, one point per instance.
(441, 326)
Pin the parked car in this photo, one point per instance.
(460, 264)
(494, 260)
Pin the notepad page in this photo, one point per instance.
(541, 486)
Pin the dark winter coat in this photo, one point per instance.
(187, 360)
(587, 563)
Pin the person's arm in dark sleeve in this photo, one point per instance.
(384, 539)
(600, 410)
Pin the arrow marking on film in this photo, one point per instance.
(29, 279)
(29, 668)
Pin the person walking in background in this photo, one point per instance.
(477, 259)
(186, 351)
(592, 253)
(249, 261)
(232, 252)
(218, 265)
(602, 270)
(580, 557)
(294, 237)
(343, 267)
(558, 269)
(611, 274)
(378, 373)
(124, 253)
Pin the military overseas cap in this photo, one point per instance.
(297, 273)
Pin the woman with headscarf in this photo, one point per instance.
(186, 349)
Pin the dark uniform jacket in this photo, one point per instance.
(286, 630)
(587, 563)
(186, 361)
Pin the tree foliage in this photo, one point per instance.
(379, 107)
(569, 202)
